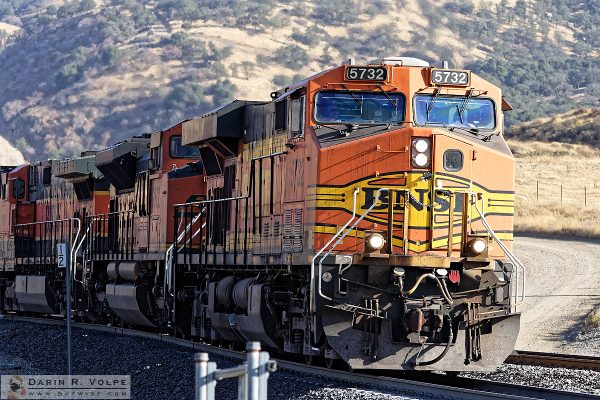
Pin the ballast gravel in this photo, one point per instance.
(159, 370)
(569, 380)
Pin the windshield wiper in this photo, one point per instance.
(475, 132)
(356, 126)
(463, 106)
(442, 124)
(431, 103)
(359, 102)
(387, 96)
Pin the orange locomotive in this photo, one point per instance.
(115, 209)
(363, 215)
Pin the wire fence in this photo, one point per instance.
(569, 194)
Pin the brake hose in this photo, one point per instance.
(416, 285)
(418, 363)
(442, 287)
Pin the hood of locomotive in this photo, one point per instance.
(378, 159)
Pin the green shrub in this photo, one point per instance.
(223, 92)
(308, 37)
(186, 94)
(338, 12)
(113, 56)
(291, 56)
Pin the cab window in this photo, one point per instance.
(297, 117)
(18, 191)
(355, 107)
(457, 111)
(177, 150)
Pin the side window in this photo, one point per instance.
(47, 176)
(297, 117)
(177, 150)
(281, 115)
(18, 191)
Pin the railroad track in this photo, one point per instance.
(554, 360)
(426, 385)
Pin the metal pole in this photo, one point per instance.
(253, 380)
(69, 344)
(264, 375)
(201, 361)
(242, 383)
(537, 190)
(561, 197)
(71, 264)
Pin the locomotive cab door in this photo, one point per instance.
(452, 181)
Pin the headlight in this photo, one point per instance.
(478, 246)
(375, 241)
(420, 152)
(421, 160)
(421, 145)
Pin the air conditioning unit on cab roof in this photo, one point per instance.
(400, 61)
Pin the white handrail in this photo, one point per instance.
(508, 253)
(77, 247)
(312, 267)
(348, 230)
(168, 259)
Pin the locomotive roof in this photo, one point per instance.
(235, 104)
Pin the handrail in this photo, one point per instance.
(192, 237)
(348, 229)
(312, 268)
(508, 253)
(97, 216)
(196, 203)
(74, 249)
(252, 375)
(169, 252)
(46, 222)
(77, 247)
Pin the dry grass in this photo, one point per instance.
(593, 321)
(542, 168)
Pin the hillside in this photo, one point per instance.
(577, 126)
(86, 73)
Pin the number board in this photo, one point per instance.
(451, 77)
(366, 74)
(62, 257)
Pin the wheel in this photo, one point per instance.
(309, 360)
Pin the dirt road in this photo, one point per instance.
(563, 286)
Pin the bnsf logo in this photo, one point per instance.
(419, 199)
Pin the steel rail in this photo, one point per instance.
(427, 385)
(553, 360)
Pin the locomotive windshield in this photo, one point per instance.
(465, 112)
(349, 107)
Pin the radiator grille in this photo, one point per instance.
(293, 226)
